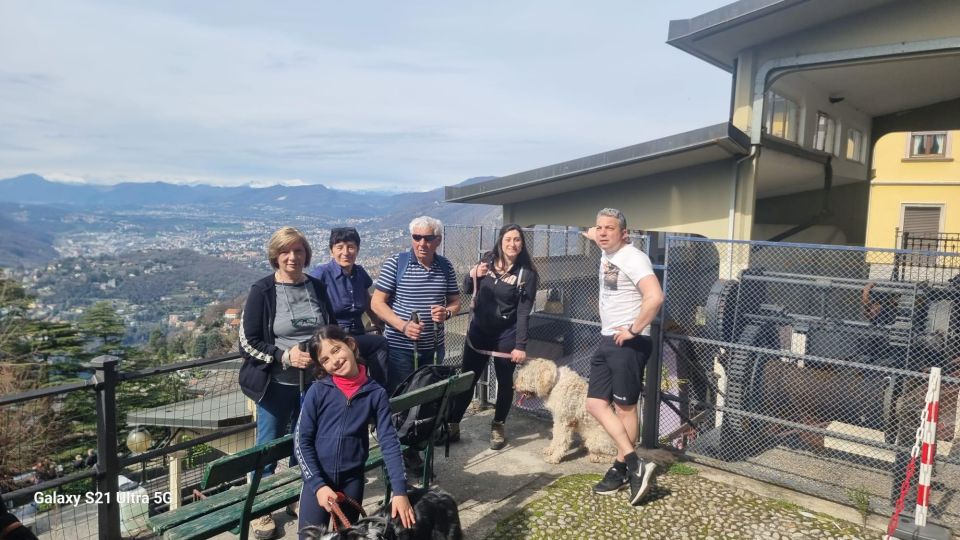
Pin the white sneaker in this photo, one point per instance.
(263, 527)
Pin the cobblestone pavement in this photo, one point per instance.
(682, 506)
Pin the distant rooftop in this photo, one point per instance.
(211, 412)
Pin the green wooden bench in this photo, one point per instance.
(232, 510)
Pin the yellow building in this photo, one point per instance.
(915, 190)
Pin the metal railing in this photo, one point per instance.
(926, 256)
(198, 399)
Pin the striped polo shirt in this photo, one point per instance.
(420, 289)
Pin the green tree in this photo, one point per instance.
(30, 429)
(13, 307)
(102, 323)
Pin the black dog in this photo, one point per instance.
(437, 519)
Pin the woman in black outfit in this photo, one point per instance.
(506, 288)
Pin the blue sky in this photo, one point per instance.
(356, 95)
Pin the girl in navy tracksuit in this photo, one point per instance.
(332, 439)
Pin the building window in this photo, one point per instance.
(932, 144)
(825, 138)
(921, 220)
(783, 117)
(920, 230)
(856, 151)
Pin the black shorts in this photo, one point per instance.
(616, 373)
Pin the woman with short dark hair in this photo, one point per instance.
(348, 287)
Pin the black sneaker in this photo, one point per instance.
(642, 481)
(612, 482)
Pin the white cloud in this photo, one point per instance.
(64, 178)
(385, 94)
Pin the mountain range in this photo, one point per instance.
(30, 204)
(35, 189)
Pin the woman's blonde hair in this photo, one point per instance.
(282, 240)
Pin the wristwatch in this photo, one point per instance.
(448, 312)
(632, 333)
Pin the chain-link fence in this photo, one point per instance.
(807, 366)
(565, 325)
(167, 423)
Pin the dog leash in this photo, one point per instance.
(337, 513)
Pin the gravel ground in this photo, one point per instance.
(682, 506)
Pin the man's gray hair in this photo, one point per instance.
(427, 222)
(614, 213)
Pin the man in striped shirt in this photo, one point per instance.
(427, 284)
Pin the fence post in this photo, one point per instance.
(651, 391)
(108, 463)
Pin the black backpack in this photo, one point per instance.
(416, 424)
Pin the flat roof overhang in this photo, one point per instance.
(719, 35)
(704, 145)
(212, 412)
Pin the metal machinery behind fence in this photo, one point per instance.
(804, 365)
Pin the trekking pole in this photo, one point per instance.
(303, 348)
(415, 319)
(437, 328)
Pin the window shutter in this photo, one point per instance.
(921, 219)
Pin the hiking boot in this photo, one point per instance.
(641, 481)
(612, 482)
(497, 439)
(293, 509)
(263, 527)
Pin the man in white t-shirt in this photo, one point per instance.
(630, 297)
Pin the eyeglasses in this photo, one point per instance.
(427, 237)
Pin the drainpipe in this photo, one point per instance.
(734, 182)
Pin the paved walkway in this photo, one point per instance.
(515, 494)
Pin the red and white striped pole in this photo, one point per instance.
(928, 448)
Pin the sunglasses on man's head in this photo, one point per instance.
(427, 237)
(343, 230)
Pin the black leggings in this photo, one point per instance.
(477, 363)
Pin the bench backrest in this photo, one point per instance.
(419, 396)
(236, 466)
(459, 383)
